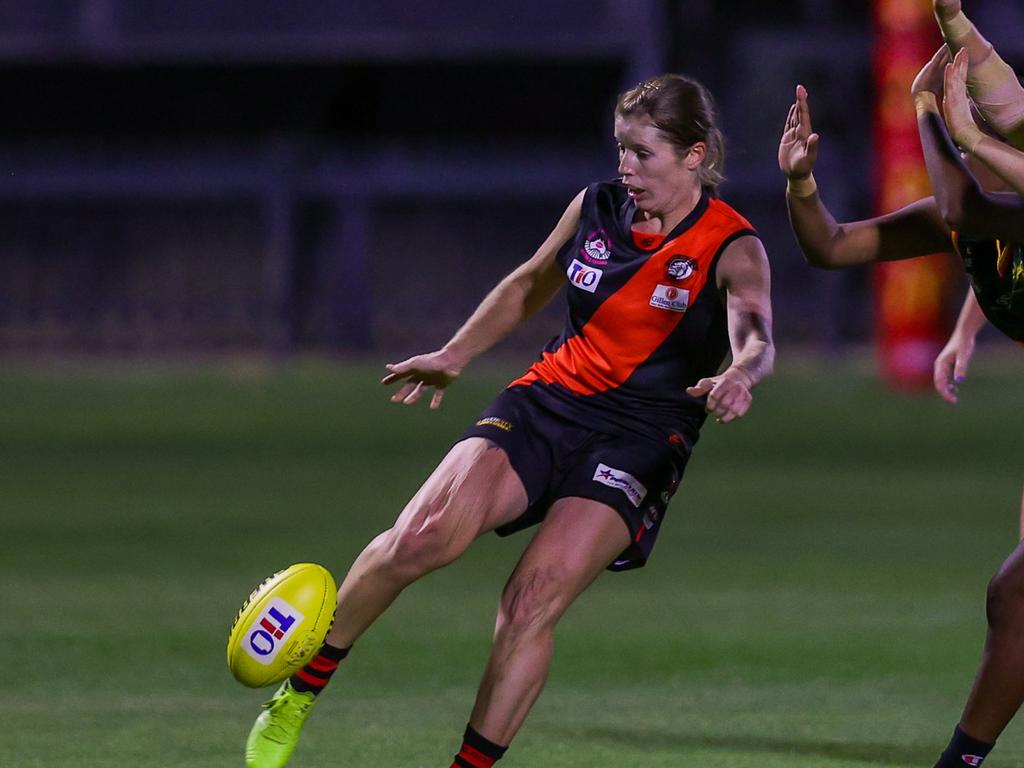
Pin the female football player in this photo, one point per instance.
(589, 444)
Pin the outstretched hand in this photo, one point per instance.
(728, 394)
(929, 79)
(798, 148)
(435, 369)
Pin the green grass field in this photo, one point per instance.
(815, 599)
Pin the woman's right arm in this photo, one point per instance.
(915, 230)
(518, 296)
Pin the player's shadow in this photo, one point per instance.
(872, 754)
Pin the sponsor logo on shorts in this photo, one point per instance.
(596, 248)
(270, 631)
(583, 276)
(671, 298)
(494, 421)
(625, 482)
(681, 268)
(973, 760)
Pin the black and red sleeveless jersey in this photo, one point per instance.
(645, 321)
(996, 271)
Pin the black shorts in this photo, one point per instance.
(557, 457)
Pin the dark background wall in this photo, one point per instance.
(348, 177)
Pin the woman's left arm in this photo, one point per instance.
(745, 279)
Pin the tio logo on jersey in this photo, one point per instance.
(271, 630)
(583, 276)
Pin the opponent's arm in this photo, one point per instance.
(951, 365)
(915, 230)
(993, 84)
(1002, 159)
(963, 204)
(745, 279)
(529, 287)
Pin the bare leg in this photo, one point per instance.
(999, 686)
(576, 541)
(472, 491)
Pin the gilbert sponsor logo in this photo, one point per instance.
(671, 298)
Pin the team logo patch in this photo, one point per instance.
(583, 276)
(671, 298)
(681, 268)
(596, 248)
(625, 482)
(494, 421)
(270, 631)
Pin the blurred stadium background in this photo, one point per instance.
(220, 218)
(198, 177)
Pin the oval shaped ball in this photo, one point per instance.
(282, 625)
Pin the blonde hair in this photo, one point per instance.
(684, 111)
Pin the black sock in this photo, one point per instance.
(314, 676)
(477, 751)
(963, 750)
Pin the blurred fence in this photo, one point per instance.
(200, 176)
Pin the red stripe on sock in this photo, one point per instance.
(323, 664)
(475, 758)
(316, 682)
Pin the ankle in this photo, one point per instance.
(477, 751)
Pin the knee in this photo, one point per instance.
(1005, 600)
(416, 546)
(530, 604)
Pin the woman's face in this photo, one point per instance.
(659, 177)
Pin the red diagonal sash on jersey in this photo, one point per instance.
(623, 332)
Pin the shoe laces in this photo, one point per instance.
(287, 714)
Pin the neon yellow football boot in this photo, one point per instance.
(276, 731)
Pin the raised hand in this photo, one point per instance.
(435, 369)
(798, 148)
(956, 107)
(929, 79)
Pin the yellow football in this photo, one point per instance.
(282, 625)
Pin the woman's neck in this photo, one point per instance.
(661, 223)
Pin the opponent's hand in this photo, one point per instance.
(951, 366)
(929, 79)
(728, 394)
(956, 106)
(945, 9)
(798, 148)
(435, 369)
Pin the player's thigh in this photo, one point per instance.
(577, 540)
(473, 490)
